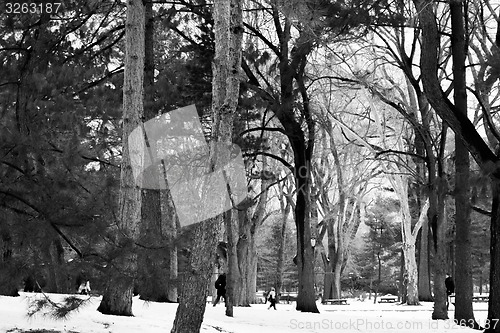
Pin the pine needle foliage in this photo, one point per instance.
(57, 310)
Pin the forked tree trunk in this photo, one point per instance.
(117, 297)
(400, 185)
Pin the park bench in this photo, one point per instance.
(480, 298)
(475, 298)
(337, 301)
(388, 299)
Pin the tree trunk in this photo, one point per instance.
(494, 296)
(306, 299)
(402, 279)
(170, 222)
(243, 254)
(466, 132)
(9, 278)
(285, 206)
(225, 92)
(463, 275)
(117, 297)
(252, 271)
(400, 185)
(338, 261)
(424, 274)
(232, 274)
(440, 248)
(195, 284)
(422, 147)
(153, 260)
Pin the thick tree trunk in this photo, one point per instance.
(411, 274)
(225, 92)
(338, 260)
(440, 254)
(400, 185)
(463, 276)
(9, 278)
(402, 279)
(424, 274)
(153, 268)
(466, 132)
(494, 296)
(117, 297)
(306, 299)
(196, 281)
(252, 271)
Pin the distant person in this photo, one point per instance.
(84, 288)
(271, 297)
(220, 285)
(450, 288)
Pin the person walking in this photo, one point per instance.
(220, 285)
(271, 297)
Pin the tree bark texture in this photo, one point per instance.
(228, 28)
(424, 274)
(9, 278)
(170, 222)
(440, 252)
(463, 275)
(285, 211)
(494, 296)
(117, 297)
(245, 246)
(400, 185)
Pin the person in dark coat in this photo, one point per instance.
(220, 285)
(271, 297)
(450, 288)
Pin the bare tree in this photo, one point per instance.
(465, 131)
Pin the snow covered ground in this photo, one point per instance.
(156, 317)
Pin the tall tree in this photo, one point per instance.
(228, 29)
(462, 275)
(117, 297)
(465, 131)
